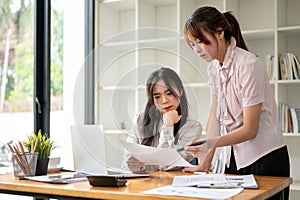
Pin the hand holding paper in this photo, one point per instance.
(155, 156)
(134, 165)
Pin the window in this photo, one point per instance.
(16, 65)
(17, 68)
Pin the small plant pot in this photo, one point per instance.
(41, 166)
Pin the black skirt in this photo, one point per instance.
(275, 163)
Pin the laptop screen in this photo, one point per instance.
(88, 143)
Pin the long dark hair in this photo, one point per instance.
(209, 19)
(152, 116)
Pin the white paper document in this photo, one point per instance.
(59, 178)
(155, 156)
(215, 181)
(206, 193)
(246, 181)
(195, 180)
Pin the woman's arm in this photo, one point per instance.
(166, 135)
(213, 124)
(247, 131)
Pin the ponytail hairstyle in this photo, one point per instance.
(152, 116)
(212, 21)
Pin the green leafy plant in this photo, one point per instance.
(41, 144)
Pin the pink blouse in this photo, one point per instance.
(240, 82)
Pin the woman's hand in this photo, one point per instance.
(134, 164)
(197, 151)
(171, 117)
(203, 166)
(205, 152)
(200, 151)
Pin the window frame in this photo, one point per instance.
(42, 50)
(42, 64)
(89, 70)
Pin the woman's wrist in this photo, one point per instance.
(168, 124)
(167, 130)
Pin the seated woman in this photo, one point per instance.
(164, 123)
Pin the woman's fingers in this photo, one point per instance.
(197, 168)
(197, 151)
(171, 117)
(133, 161)
(134, 165)
(201, 150)
(190, 169)
(193, 150)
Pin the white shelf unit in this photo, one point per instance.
(137, 36)
(288, 40)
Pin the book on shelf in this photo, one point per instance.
(281, 116)
(295, 120)
(289, 66)
(294, 67)
(297, 65)
(289, 118)
(282, 67)
(286, 119)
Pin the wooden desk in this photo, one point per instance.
(82, 190)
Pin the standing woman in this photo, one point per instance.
(243, 112)
(165, 122)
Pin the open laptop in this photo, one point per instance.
(89, 154)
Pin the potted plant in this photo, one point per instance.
(44, 146)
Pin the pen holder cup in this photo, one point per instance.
(24, 164)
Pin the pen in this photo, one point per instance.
(235, 179)
(220, 186)
(194, 144)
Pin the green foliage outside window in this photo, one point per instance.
(16, 33)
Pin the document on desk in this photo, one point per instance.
(155, 156)
(206, 193)
(246, 181)
(216, 181)
(59, 178)
(199, 180)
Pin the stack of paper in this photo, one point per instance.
(205, 186)
(215, 181)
